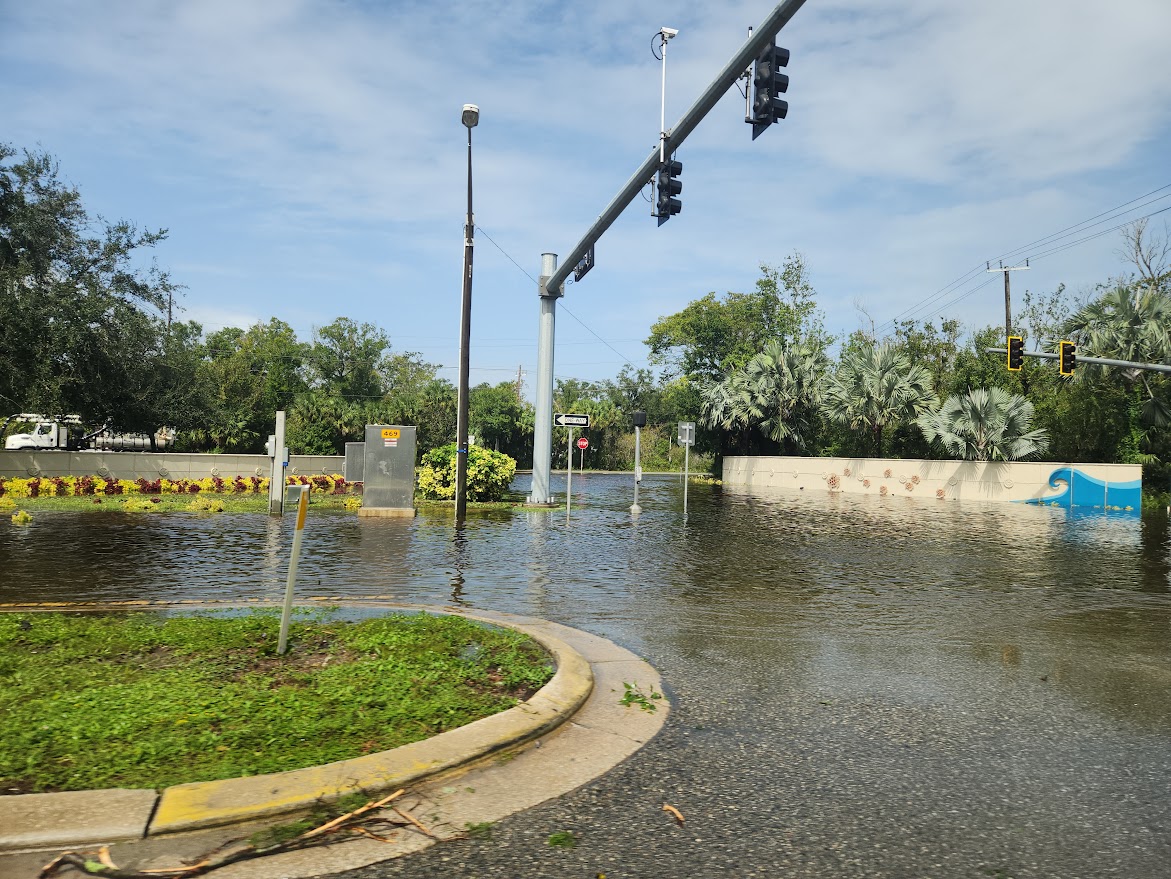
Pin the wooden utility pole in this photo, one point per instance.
(1007, 293)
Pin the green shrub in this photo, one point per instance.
(489, 474)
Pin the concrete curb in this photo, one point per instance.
(35, 820)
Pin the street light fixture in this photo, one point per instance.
(470, 119)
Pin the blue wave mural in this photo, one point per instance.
(1086, 491)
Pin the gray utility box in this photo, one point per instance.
(388, 471)
(355, 458)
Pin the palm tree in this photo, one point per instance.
(985, 424)
(1129, 323)
(778, 390)
(785, 387)
(876, 387)
(725, 406)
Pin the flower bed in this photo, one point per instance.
(81, 486)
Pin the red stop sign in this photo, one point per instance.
(583, 442)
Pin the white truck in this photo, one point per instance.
(65, 432)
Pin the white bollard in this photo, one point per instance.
(286, 612)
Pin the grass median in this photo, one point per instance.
(149, 701)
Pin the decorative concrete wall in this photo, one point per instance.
(148, 465)
(1100, 486)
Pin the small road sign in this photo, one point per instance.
(562, 419)
(583, 442)
(686, 433)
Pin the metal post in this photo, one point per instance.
(663, 107)
(568, 470)
(294, 555)
(465, 336)
(637, 467)
(732, 71)
(543, 418)
(552, 279)
(686, 449)
(276, 481)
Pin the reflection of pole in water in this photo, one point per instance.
(539, 578)
(459, 546)
(272, 552)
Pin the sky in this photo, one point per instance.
(309, 161)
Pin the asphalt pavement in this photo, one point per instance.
(774, 778)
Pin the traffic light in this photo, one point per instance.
(1068, 358)
(669, 187)
(1016, 353)
(768, 84)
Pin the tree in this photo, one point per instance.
(876, 387)
(346, 357)
(80, 323)
(1130, 322)
(494, 414)
(249, 375)
(780, 390)
(711, 337)
(985, 424)
(1149, 252)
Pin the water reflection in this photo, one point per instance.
(849, 594)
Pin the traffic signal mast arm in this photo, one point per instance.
(1097, 361)
(733, 70)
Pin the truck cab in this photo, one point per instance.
(46, 434)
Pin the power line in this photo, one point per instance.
(563, 306)
(1069, 231)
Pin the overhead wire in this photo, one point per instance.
(588, 328)
(1103, 217)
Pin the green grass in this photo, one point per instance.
(147, 701)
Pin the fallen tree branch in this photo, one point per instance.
(104, 866)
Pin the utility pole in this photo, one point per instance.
(1007, 293)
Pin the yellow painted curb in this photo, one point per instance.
(213, 803)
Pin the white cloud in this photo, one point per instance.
(309, 160)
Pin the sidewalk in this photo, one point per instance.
(573, 730)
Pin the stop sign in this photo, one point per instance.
(583, 442)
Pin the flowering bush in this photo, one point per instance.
(489, 474)
(81, 486)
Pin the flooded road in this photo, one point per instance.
(864, 686)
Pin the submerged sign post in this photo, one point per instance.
(687, 440)
(570, 420)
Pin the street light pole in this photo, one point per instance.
(470, 118)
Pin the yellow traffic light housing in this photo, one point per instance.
(1067, 359)
(1016, 353)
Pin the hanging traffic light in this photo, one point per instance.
(1068, 357)
(768, 84)
(1016, 353)
(669, 187)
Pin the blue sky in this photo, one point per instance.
(309, 161)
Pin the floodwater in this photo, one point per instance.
(1026, 649)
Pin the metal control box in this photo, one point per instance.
(388, 471)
